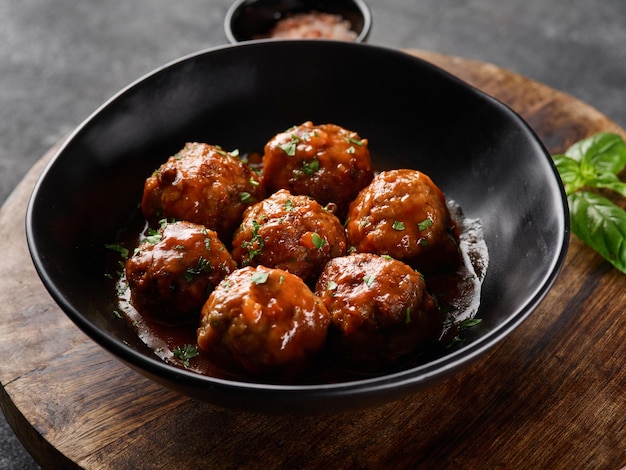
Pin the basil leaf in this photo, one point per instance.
(601, 225)
(569, 170)
(609, 181)
(602, 152)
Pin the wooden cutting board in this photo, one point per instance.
(551, 395)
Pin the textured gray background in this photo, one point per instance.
(61, 59)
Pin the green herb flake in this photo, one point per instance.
(332, 285)
(185, 353)
(468, 323)
(246, 197)
(118, 248)
(290, 147)
(255, 244)
(397, 225)
(369, 280)
(407, 315)
(351, 140)
(310, 168)
(318, 242)
(260, 277)
(457, 340)
(203, 267)
(153, 237)
(424, 224)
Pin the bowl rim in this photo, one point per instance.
(401, 381)
(235, 6)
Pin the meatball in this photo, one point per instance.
(173, 272)
(402, 213)
(294, 233)
(380, 310)
(202, 184)
(327, 162)
(264, 321)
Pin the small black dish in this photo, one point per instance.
(253, 19)
(414, 115)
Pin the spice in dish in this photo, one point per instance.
(313, 25)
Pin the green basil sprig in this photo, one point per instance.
(594, 163)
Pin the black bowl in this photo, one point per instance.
(415, 115)
(251, 19)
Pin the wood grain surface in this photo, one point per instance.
(551, 395)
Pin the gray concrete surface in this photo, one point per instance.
(61, 59)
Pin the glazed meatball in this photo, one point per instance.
(202, 184)
(264, 321)
(172, 273)
(402, 213)
(380, 310)
(327, 162)
(294, 233)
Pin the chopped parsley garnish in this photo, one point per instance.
(318, 242)
(224, 153)
(309, 168)
(246, 197)
(424, 224)
(185, 353)
(397, 225)
(350, 140)
(290, 147)
(369, 280)
(465, 324)
(255, 244)
(260, 277)
(470, 322)
(119, 248)
(154, 237)
(203, 267)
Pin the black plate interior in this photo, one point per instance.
(478, 151)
